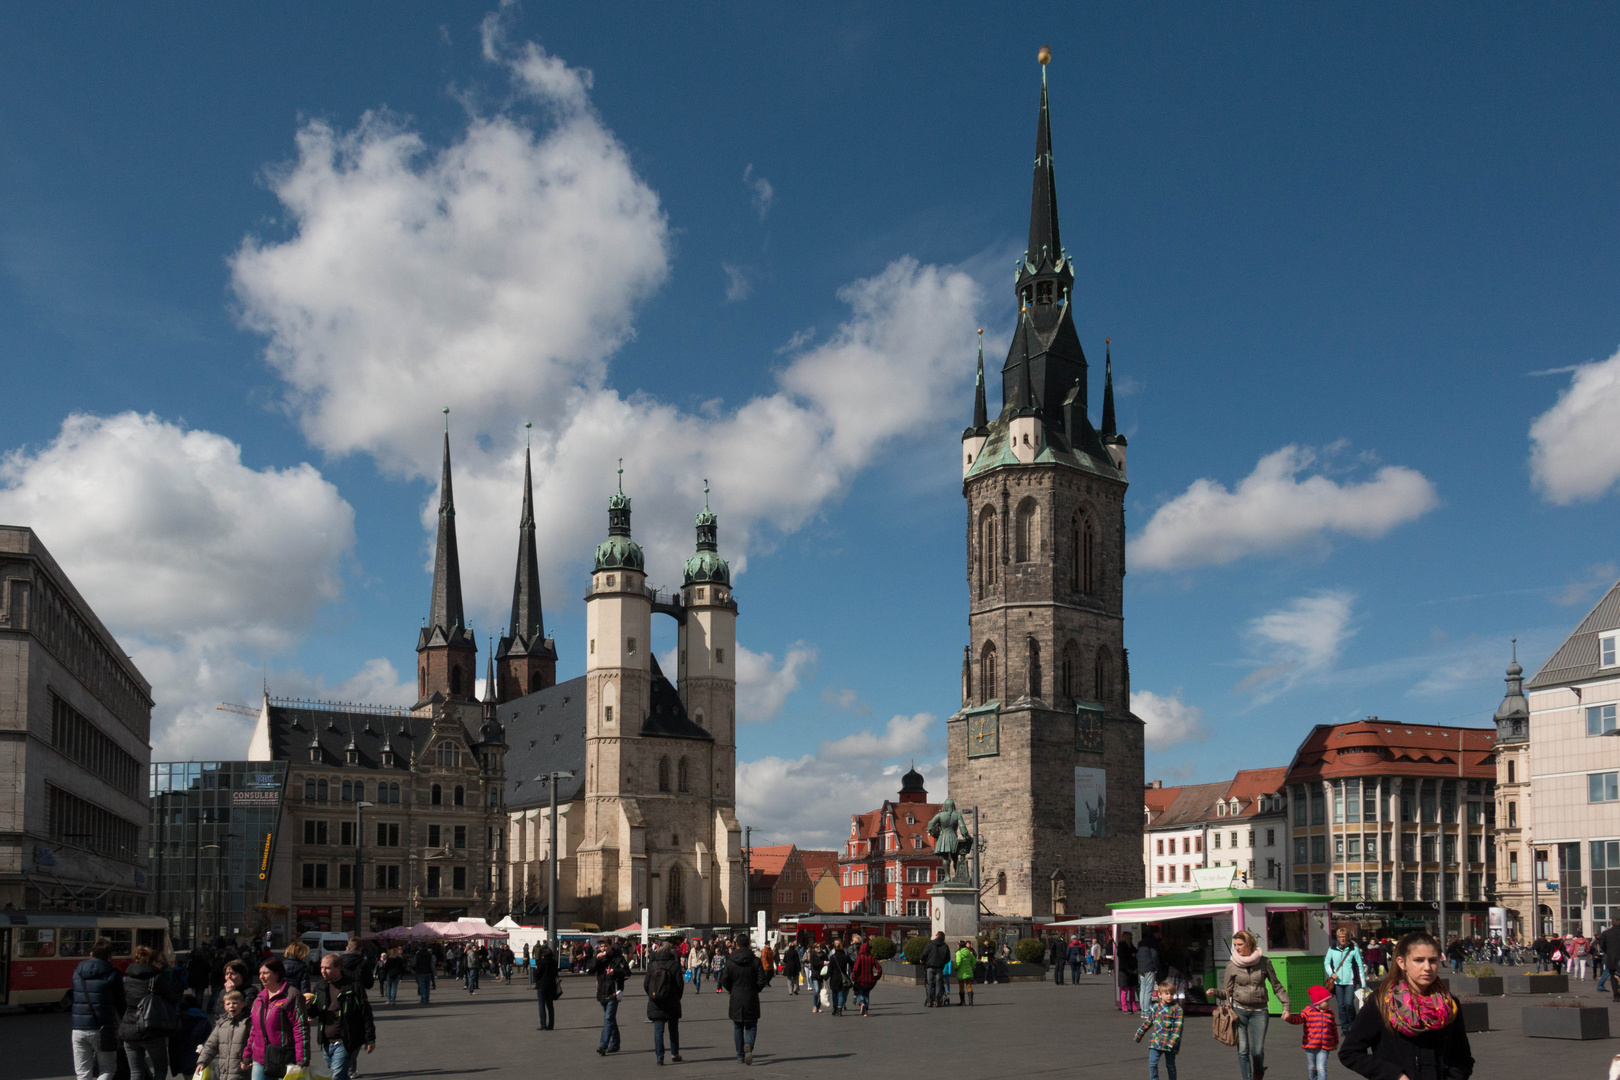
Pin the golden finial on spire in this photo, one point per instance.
(1045, 55)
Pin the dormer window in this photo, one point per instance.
(1220, 809)
(388, 758)
(353, 756)
(1607, 644)
(315, 754)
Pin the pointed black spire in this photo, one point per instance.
(1043, 214)
(528, 620)
(446, 611)
(981, 419)
(1025, 403)
(1109, 428)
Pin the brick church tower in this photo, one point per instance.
(1045, 744)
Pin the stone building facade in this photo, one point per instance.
(75, 724)
(1045, 744)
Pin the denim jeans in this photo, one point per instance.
(337, 1060)
(548, 1013)
(610, 1024)
(1075, 968)
(863, 997)
(472, 979)
(839, 997)
(422, 987)
(658, 1038)
(1144, 987)
(935, 977)
(815, 992)
(1315, 1064)
(1345, 995)
(90, 1061)
(697, 978)
(743, 1032)
(1155, 1057)
(268, 1072)
(148, 1059)
(1251, 1040)
(391, 988)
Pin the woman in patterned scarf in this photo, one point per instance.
(1412, 1028)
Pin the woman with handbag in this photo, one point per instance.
(276, 1040)
(838, 982)
(815, 974)
(1345, 971)
(1412, 1026)
(1125, 973)
(1244, 992)
(150, 1015)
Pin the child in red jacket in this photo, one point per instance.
(1321, 1031)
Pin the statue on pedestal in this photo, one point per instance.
(952, 841)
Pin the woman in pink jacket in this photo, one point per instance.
(276, 1041)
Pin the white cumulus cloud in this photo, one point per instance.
(1575, 445)
(203, 567)
(1300, 640)
(1273, 510)
(809, 800)
(1168, 719)
(763, 684)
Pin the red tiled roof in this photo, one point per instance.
(769, 860)
(817, 861)
(1379, 747)
(1158, 800)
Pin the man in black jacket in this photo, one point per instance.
(98, 1000)
(342, 1018)
(935, 955)
(1609, 940)
(610, 971)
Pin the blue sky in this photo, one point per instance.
(1359, 268)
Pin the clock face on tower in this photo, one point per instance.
(984, 735)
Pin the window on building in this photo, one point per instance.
(346, 833)
(1161, 873)
(987, 673)
(1302, 852)
(345, 875)
(680, 776)
(1606, 649)
(1605, 887)
(1430, 847)
(314, 876)
(461, 795)
(1352, 850)
(1338, 848)
(1600, 719)
(1318, 806)
(433, 836)
(436, 795)
(1299, 805)
(458, 879)
(1161, 846)
(1510, 770)
(1271, 838)
(1217, 840)
(461, 836)
(1513, 815)
(1028, 533)
(987, 550)
(320, 791)
(1429, 801)
(388, 834)
(1186, 872)
(1513, 866)
(386, 878)
(449, 755)
(1318, 849)
(1234, 842)
(1603, 787)
(434, 878)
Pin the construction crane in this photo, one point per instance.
(226, 706)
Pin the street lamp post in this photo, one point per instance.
(358, 806)
(748, 879)
(551, 779)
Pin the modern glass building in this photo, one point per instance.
(214, 831)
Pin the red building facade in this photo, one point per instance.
(888, 862)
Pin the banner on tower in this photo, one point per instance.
(1090, 808)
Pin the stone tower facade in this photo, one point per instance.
(660, 828)
(1045, 745)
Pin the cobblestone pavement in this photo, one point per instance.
(1019, 1031)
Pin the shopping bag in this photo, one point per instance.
(1225, 1026)
(318, 1068)
(295, 1072)
(205, 1073)
(826, 997)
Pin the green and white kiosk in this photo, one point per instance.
(1293, 928)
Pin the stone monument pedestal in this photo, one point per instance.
(954, 908)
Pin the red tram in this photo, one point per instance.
(40, 949)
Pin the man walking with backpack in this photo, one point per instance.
(342, 1017)
(664, 987)
(98, 1000)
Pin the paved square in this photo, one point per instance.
(1025, 1030)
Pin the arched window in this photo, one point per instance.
(309, 788)
(680, 776)
(393, 793)
(535, 682)
(987, 551)
(1001, 883)
(455, 680)
(461, 795)
(1071, 671)
(1028, 533)
(348, 791)
(1083, 568)
(675, 899)
(1035, 679)
(663, 774)
(987, 672)
(320, 791)
(1103, 681)
(436, 795)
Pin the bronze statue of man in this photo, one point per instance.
(952, 841)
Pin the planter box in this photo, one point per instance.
(1557, 1022)
(902, 972)
(1548, 982)
(1017, 972)
(1478, 985)
(1476, 1015)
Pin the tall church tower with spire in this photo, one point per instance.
(446, 651)
(526, 659)
(1045, 745)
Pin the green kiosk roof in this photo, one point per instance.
(1204, 897)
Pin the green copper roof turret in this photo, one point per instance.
(618, 550)
(707, 566)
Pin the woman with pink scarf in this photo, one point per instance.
(1412, 1027)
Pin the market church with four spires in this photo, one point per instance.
(460, 817)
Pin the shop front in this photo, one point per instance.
(1392, 918)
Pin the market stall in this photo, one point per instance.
(1196, 929)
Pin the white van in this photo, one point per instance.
(322, 942)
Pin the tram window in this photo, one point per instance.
(121, 940)
(37, 943)
(1285, 930)
(152, 939)
(75, 942)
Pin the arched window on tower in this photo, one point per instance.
(1071, 670)
(675, 899)
(1083, 567)
(663, 774)
(987, 551)
(535, 685)
(1103, 680)
(455, 680)
(1035, 679)
(680, 776)
(1028, 534)
(987, 672)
